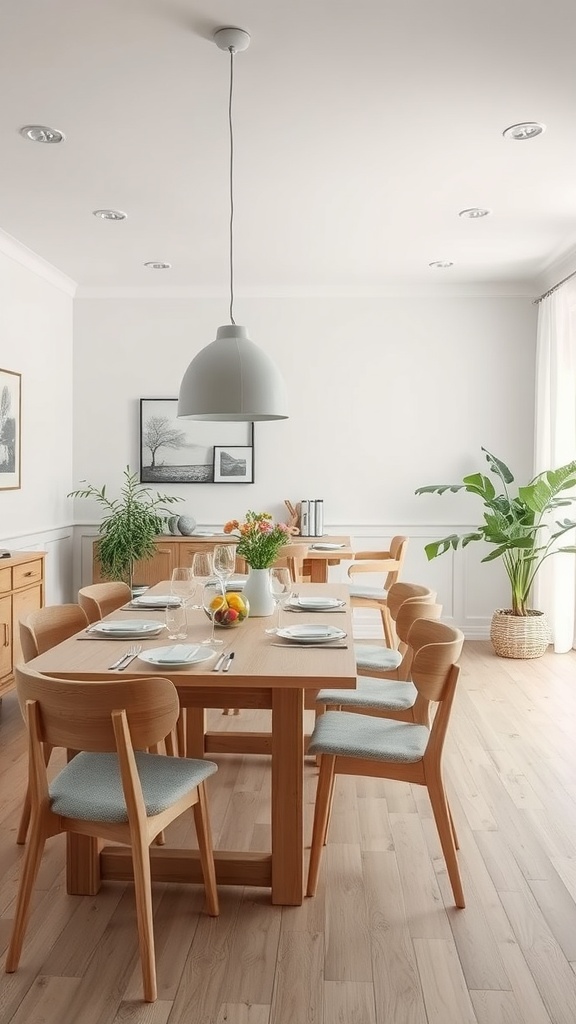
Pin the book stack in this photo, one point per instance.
(312, 517)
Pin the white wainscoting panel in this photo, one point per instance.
(59, 546)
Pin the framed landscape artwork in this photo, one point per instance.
(10, 422)
(233, 464)
(180, 451)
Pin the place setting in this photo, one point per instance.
(123, 629)
(311, 636)
(304, 603)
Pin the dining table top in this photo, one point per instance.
(260, 659)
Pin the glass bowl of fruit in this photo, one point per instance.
(230, 610)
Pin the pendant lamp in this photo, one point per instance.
(232, 378)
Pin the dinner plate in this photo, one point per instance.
(177, 654)
(316, 603)
(311, 634)
(127, 626)
(326, 547)
(156, 600)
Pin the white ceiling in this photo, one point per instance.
(361, 127)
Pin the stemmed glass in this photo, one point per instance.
(202, 569)
(281, 587)
(224, 561)
(212, 599)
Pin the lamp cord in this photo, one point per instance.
(232, 320)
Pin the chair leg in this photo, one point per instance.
(388, 627)
(442, 818)
(30, 868)
(452, 827)
(143, 893)
(321, 815)
(204, 835)
(170, 743)
(181, 732)
(27, 805)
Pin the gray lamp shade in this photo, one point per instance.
(232, 379)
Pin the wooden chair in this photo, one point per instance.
(39, 631)
(113, 789)
(379, 660)
(353, 744)
(392, 693)
(292, 557)
(387, 562)
(99, 599)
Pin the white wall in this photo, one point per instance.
(36, 341)
(386, 394)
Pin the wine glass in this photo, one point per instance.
(224, 560)
(281, 587)
(181, 584)
(202, 569)
(212, 599)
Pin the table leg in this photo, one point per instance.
(318, 570)
(195, 729)
(287, 796)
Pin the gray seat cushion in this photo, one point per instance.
(90, 788)
(376, 739)
(373, 657)
(379, 694)
(374, 593)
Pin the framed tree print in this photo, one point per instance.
(180, 451)
(10, 423)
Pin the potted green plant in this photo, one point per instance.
(129, 526)
(522, 529)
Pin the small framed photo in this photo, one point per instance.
(10, 426)
(233, 464)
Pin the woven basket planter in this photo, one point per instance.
(519, 636)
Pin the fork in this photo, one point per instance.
(131, 653)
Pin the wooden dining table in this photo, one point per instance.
(261, 675)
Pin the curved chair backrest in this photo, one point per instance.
(78, 715)
(437, 647)
(292, 557)
(399, 593)
(44, 628)
(100, 599)
(389, 562)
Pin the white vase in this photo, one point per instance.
(258, 592)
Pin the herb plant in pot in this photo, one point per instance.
(129, 526)
(524, 533)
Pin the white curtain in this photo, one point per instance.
(555, 445)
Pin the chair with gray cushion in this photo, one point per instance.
(388, 563)
(390, 662)
(39, 631)
(113, 789)
(100, 599)
(353, 744)
(393, 696)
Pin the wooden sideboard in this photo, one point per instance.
(171, 552)
(21, 591)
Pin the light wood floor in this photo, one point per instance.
(382, 942)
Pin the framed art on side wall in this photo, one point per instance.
(10, 423)
(180, 451)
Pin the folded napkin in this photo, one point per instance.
(175, 655)
(307, 632)
(318, 602)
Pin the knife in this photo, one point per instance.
(218, 664)
(127, 661)
(229, 660)
(120, 662)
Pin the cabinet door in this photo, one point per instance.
(23, 601)
(157, 568)
(5, 636)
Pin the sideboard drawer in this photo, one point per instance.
(24, 575)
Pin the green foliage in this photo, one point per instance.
(519, 527)
(129, 526)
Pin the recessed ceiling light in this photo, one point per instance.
(441, 264)
(474, 213)
(524, 130)
(110, 214)
(41, 133)
(158, 265)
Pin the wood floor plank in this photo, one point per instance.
(47, 1001)
(349, 1002)
(347, 942)
(445, 994)
(299, 985)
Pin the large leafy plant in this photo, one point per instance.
(129, 526)
(521, 527)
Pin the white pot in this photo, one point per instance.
(259, 593)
